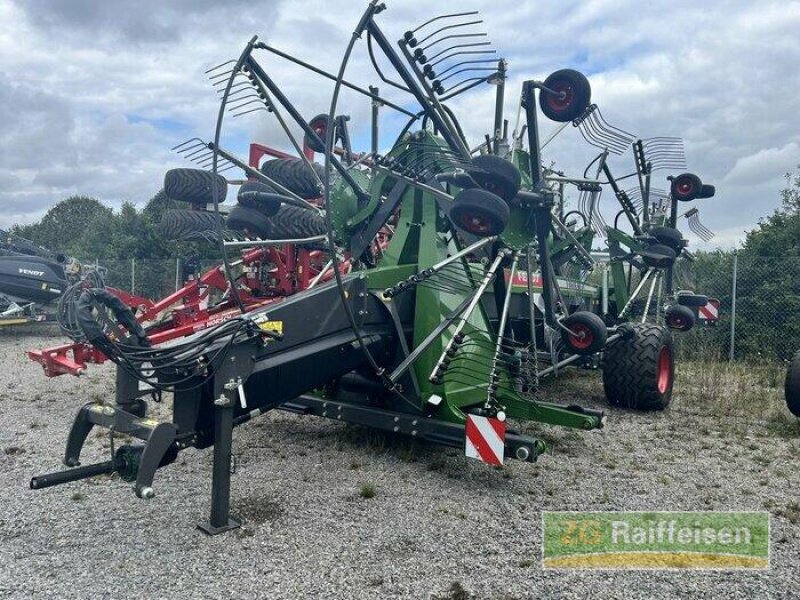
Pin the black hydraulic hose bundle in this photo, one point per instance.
(179, 365)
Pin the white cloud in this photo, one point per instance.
(92, 97)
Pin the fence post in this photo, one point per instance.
(133, 275)
(733, 304)
(177, 274)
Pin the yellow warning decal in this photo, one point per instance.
(274, 326)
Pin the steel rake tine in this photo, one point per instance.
(443, 17)
(443, 29)
(220, 65)
(454, 47)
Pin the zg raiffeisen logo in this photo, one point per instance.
(655, 540)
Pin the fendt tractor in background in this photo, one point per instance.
(425, 290)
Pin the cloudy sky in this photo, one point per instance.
(94, 93)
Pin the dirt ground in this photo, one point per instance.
(336, 511)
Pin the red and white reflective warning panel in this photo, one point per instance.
(709, 312)
(485, 439)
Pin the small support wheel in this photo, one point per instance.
(496, 175)
(679, 318)
(572, 96)
(479, 212)
(686, 187)
(319, 125)
(587, 333)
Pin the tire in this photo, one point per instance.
(294, 175)
(679, 318)
(686, 187)
(668, 237)
(320, 125)
(793, 386)
(692, 300)
(248, 221)
(707, 191)
(479, 212)
(578, 96)
(259, 196)
(639, 373)
(178, 224)
(194, 186)
(293, 222)
(496, 175)
(658, 256)
(591, 330)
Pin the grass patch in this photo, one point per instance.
(367, 490)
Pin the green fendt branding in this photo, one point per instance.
(656, 540)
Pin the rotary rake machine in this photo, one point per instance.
(377, 288)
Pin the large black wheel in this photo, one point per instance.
(178, 224)
(496, 175)
(572, 96)
(292, 222)
(194, 186)
(587, 333)
(668, 237)
(318, 125)
(793, 386)
(259, 196)
(479, 212)
(679, 318)
(639, 372)
(295, 175)
(249, 221)
(686, 187)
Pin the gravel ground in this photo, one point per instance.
(437, 527)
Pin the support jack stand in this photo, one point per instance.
(220, 519)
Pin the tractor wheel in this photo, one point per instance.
(248, 221)
(707, 191)
(293, 222)
(179, 224)
(679, 318)
(259, 196)
(658, 256)
(573, 96)
(589, 333)
(479, 212)
(639, 372)
(691, 299)
(668, 237)
(793, 386)
(686, 187)
(496, 175)
(295, 175)
(319, 125)
(194, 186)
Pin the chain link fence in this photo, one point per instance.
(759, 307)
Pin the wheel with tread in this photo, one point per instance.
(639, 372)
(691, 299)
(479, 212)
(249, 221)
(194, 186)
(181, 224)
(658, 256)
(588, 333)
(295, 175)
(259, 196)
(707, 191)
(293, 222)
(496, 175)
(572, 98)
(792, 388)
